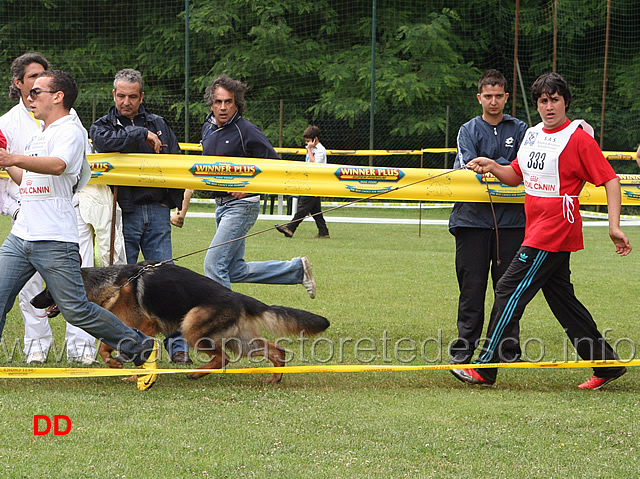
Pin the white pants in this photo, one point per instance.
(96, 209)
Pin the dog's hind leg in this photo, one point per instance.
(218, 359)
(275, 354)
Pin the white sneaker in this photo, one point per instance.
(36, 357)
(86, 360)
(307, 280)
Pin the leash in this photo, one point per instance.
(358, 200)
(495, 224)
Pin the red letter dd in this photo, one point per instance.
(56, 423)
(36, 419)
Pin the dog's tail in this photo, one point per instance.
(288, 321)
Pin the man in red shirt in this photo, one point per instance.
(556, 158)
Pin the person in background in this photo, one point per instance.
(316, 153)
(146, 226)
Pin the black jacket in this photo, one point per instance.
(238, 137)
(500, 143)
(114, 132)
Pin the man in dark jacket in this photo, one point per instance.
(227, 133)
(146, 226)
(497, 136)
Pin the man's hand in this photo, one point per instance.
(623, 247)
(154, 141)
(238, 194)
(480, 165)
(6, 159)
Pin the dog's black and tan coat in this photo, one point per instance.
(212, 318)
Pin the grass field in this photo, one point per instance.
(374, 282)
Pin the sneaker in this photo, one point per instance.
(596, 383)
(307, 280)
(284, 230)
(36, 357)
(322, 236)
(147, 380)
(86, 360)
(470, 376)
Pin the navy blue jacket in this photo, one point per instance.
(500, 143)
(237, 137)
(114, 132)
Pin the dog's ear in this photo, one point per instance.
(42, 300)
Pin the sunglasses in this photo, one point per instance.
(34, 93)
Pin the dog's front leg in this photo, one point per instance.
(105, 353)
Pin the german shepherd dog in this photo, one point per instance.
(212, 318)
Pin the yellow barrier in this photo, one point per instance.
(609, 155)
(340, 181)
(43, 372)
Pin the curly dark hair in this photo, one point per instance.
(234, 86)
(18, 67)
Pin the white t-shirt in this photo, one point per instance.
(319, 154)
(47, 209)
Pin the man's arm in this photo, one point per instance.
(15, 164)
(638, 155)
(612, 187)
(467, 149)
(505, 173)
(107, 138)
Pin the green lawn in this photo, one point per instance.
(374, 282)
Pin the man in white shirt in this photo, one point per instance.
(44, 237)
(19, 127)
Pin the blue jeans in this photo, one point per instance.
(226, 264)
(58, 263)
(148, 229)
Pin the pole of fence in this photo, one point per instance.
(373, 79)
(186, 71)
(604, 73)
(515, 59)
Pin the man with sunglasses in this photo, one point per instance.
(19, 126)
(44, 237)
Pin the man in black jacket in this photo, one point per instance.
(498, 136)
(146, 226)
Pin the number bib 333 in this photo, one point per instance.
(538, 158)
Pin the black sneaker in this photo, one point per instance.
(284, 230)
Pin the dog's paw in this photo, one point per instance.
(113, 363)
(195, 375)
(274, 380)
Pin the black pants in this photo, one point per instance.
(309, 205)
(476, 256)
(530, 271)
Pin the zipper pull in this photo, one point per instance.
(495, 132)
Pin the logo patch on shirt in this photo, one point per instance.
(523, 257)
(508, 143)
(531, 138)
